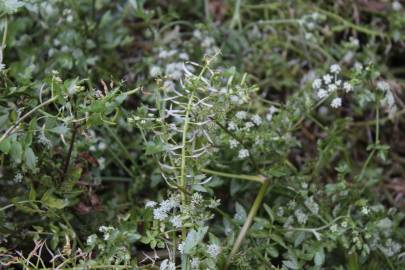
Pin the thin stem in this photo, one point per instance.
(350, 24)
(252, 214)
(254, 178)
(3, 42)
(69, 154)
(11, 129)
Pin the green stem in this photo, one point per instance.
(252, 214)
(183, 158)
(258, 178)
(3, 42)
(350, 24)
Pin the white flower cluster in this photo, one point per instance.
(396, 5)
(18, 178)
(171, 64)
(312, 205)
(244, 122)
(167, 265)
(107, 231)
(330, 84)
(195, 263)
(161, 211)
(207, 42)
(390, 248)
(301, 217)
(213, 250)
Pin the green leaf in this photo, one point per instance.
(53, 202)
(30, 159)
(193, 239)
(16, 152)
(61, 129)
(291, 264)
(3, 120)
(319, 258)
(240, 212)
(73, 175)
(153, 148)
(5, 146)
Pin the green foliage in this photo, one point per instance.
(201, 135)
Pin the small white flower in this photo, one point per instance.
(167, 265)
(280, 211)
(236, 100)
(101, 163)
(18, 178)
(249, 125)
(174, 70)
(322, 93)
(195, 263)
(169, 85)
(333, 228)
(197, 199)
(183, 56)
(233, 143)
(197, 34)
(98, 94)
(354, 42)
(2, 66)
(365, 210)
(291, 204)
(272, 111)
(332, 88)
(347, 87)
(213, 250)
(256, 119)
(312, 205)
(180, 248)
(241, 115)
(102, 146)
(358, 66)
(302, 218)
(155, 71)
(160, 214)
(150, 204)
(336, 103)
(243, 153)
(232, 126)
(176, 222)
(91, 240)
(338, 83)
(396, 6)
(327, 78)
(335, 68)
(174, 201)
(344, 224)
(383, 86)
(316, 84)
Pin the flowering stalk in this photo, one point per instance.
(183, 159)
